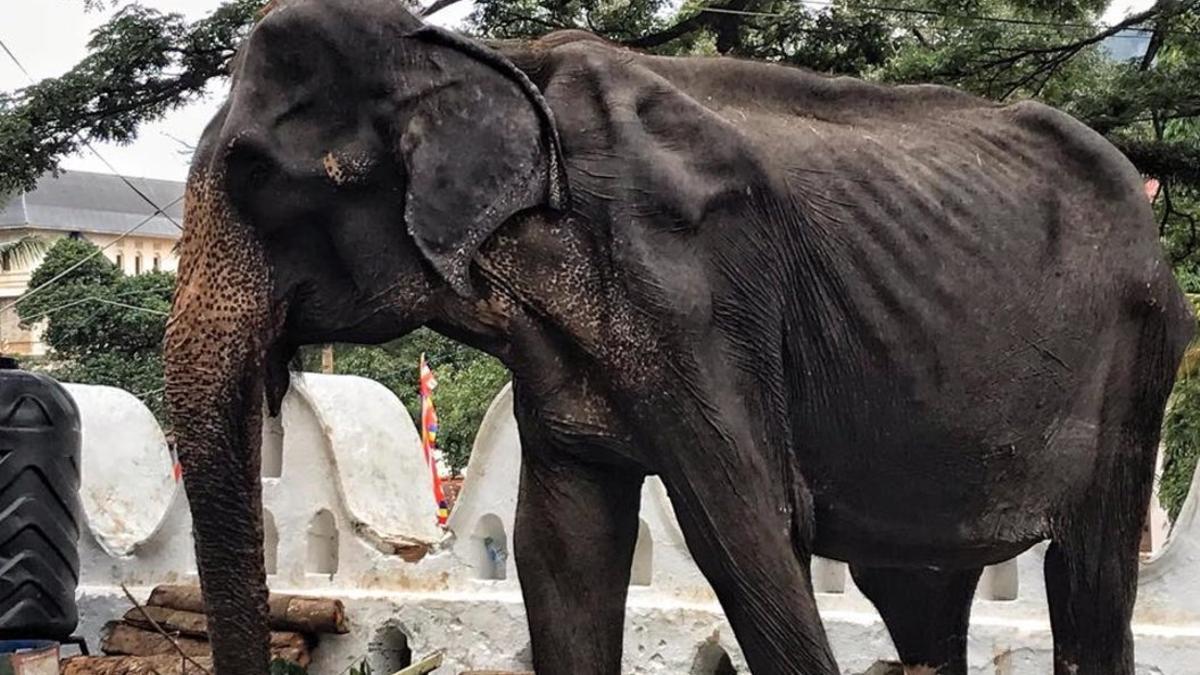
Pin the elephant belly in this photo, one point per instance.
(922, 538)
(918, 490)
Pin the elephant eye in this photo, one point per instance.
(247, 167)
(247, 172)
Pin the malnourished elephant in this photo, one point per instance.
(897, 326)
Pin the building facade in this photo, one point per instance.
(98, 207)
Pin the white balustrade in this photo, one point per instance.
(345, 485)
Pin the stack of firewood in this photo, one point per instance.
(169, 634)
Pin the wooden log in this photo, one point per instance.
(307, 615)
(135, 665)
(190, 624)
(123, 639)
(287, 612)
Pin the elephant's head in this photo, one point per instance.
(360, 160)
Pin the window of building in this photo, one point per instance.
(120, 262)
(137, 264)
(157, 263)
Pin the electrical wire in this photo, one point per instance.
(80, 301)
(87, 144)
(25, 296)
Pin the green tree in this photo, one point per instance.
(102, 327)
(1181, 443)
(140, 65)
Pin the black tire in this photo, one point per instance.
(40, 510)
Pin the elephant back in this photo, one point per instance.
(40, 508)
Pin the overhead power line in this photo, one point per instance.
(26, 295)
(87, 144)
(75, 303)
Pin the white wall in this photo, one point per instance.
(349, 450)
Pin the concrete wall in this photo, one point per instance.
(346, 486)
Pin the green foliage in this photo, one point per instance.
(103, 327)
(363, 668)
(1181, 445)
(468, 380)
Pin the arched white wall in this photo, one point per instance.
(272, 446)
(495, 465)
(321, 554)
(381, 473)
(1000, 581)
(1169, 584)
(489, 548)
(327, 432)
(829, 576)
(127, 482)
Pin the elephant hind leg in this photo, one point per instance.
(926, 613)
(1091, 568)
(1091, 565)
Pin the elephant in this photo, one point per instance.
(898, 326)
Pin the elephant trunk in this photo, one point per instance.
(216, 339)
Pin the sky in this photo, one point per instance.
(50, 36)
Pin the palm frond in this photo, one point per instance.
(21, 253)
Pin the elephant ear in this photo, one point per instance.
(479, 147)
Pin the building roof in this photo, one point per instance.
(94, 203)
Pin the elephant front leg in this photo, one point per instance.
(574, 536)
(744, 545)
(746, 515)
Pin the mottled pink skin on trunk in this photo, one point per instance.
(214, 349)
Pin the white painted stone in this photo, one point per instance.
(126, 478)
(495, 461)
(1169, 584)
(375, 445)
(441, 602)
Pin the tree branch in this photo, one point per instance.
(1049, 59)
(1177, 161)
(689, 25)
(437, 6)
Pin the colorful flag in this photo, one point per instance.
(429, 429)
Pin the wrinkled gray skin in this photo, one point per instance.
(900, 327)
